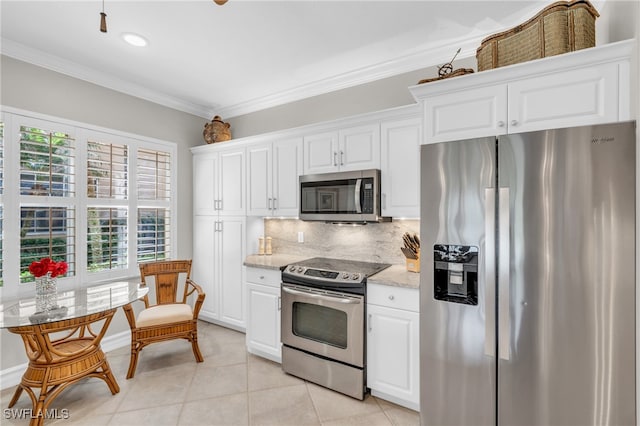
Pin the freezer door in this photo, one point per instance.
(457, 344)
(567, 327)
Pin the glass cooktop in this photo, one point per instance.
(332, 274)
(343, 265)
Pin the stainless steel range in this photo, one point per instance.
(323, 322)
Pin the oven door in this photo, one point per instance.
(324, 323)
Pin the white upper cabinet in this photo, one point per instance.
(473, 113)
(232, 183)
(219, 182)
(272, 173)
(259, 177)
(586, 87)
(400, 168)
(205, 190)
(577, 97)
(354, 148)
(321, 153)
(287, 168)
(359, 147)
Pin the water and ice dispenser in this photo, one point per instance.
(456, 273)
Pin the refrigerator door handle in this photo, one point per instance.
(504, 282)
(490, 272)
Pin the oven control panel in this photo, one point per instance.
(314, 274)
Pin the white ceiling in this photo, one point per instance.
(245, 56)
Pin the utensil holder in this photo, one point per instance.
(413, 265)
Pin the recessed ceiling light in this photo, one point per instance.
(135, 39)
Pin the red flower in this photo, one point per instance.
(39, 269)
(45, 265)
(59, 268)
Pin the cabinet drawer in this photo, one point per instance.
(394, 297)
(270, 277)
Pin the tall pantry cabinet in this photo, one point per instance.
(219, 227)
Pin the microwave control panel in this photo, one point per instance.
(367, 195)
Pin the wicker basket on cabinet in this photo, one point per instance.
(561, 27)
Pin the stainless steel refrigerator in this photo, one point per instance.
(527, 281)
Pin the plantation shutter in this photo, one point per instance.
(1, 203)
(47, 192)
(153, 177)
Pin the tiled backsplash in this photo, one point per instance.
(375, 242)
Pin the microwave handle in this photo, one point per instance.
(358, 195)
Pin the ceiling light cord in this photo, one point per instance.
(103, 20)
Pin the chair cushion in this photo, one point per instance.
(164, 314)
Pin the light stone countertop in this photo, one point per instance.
(395, 275)
(273, 261)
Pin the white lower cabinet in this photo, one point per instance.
(218, 257)
(263, 309)
(393, 344)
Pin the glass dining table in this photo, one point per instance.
(61, 336)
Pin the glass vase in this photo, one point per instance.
(46, 293)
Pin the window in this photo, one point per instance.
(107, 227)
(154, 175)
(47, 221)
(154, 213)
(153, 234)
(107, 244)
(46, 232)
(1, 203)
(99, 200)
(107, 165)
(46, 162)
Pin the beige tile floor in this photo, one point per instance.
(231, 387)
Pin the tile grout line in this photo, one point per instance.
(315, 409)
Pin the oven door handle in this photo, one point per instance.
(322, 296)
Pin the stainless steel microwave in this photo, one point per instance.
(341, 197)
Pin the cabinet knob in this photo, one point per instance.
(391, 297)
(500, 123)
(262, 277)
(514, 122)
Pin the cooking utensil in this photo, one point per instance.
(408, 253)
(406, 237)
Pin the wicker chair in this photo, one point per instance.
(169, 318)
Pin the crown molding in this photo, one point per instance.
(422, 57)
(54, 63)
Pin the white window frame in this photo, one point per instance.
(11, 199)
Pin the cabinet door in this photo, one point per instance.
(400, 168)
(232, 183)
(287, 167)
(393, 354)
(321, 153)
(231, 254)
(579, 97)
(467, 114)
(263, 322)
(205, 266)
(359, 148)
(259, 179)
(205, 173)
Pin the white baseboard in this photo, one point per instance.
(11, 376)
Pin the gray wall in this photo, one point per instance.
(370, 97)
(36, 89)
